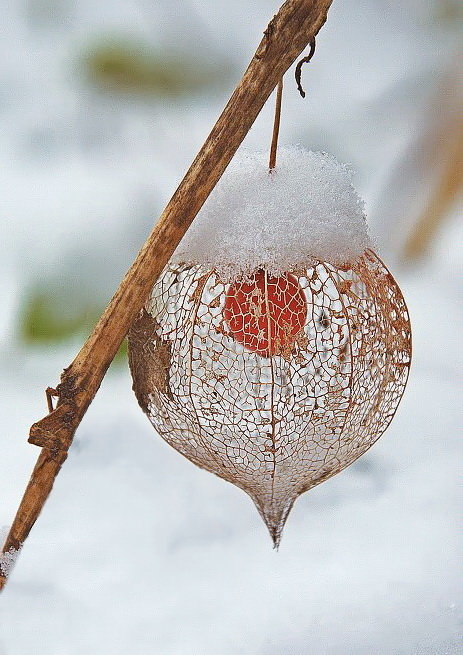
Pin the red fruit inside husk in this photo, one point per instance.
(265, 312)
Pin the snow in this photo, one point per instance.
(7, 561)
(305, 210)
(137, 551)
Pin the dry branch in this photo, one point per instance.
(286, 36)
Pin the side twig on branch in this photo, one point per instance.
(287, 35)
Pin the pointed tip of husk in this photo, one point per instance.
(274, 516)
(276, 538)
(276, 531)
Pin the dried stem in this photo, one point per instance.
(286, 36)
(276, 127)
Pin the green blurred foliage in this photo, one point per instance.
(42, 323)
(44, 319)
(125, 66)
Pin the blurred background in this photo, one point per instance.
(103, 107)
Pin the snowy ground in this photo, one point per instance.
(138, 551)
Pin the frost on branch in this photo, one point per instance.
(7, 559)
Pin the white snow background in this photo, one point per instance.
(137, 551)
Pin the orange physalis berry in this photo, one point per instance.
(265, 312)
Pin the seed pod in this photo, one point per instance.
(272, 382)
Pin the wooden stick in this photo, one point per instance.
(276, 127)
(286, 36)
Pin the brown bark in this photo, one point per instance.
(286, 36)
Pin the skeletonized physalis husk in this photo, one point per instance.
(274, 383)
